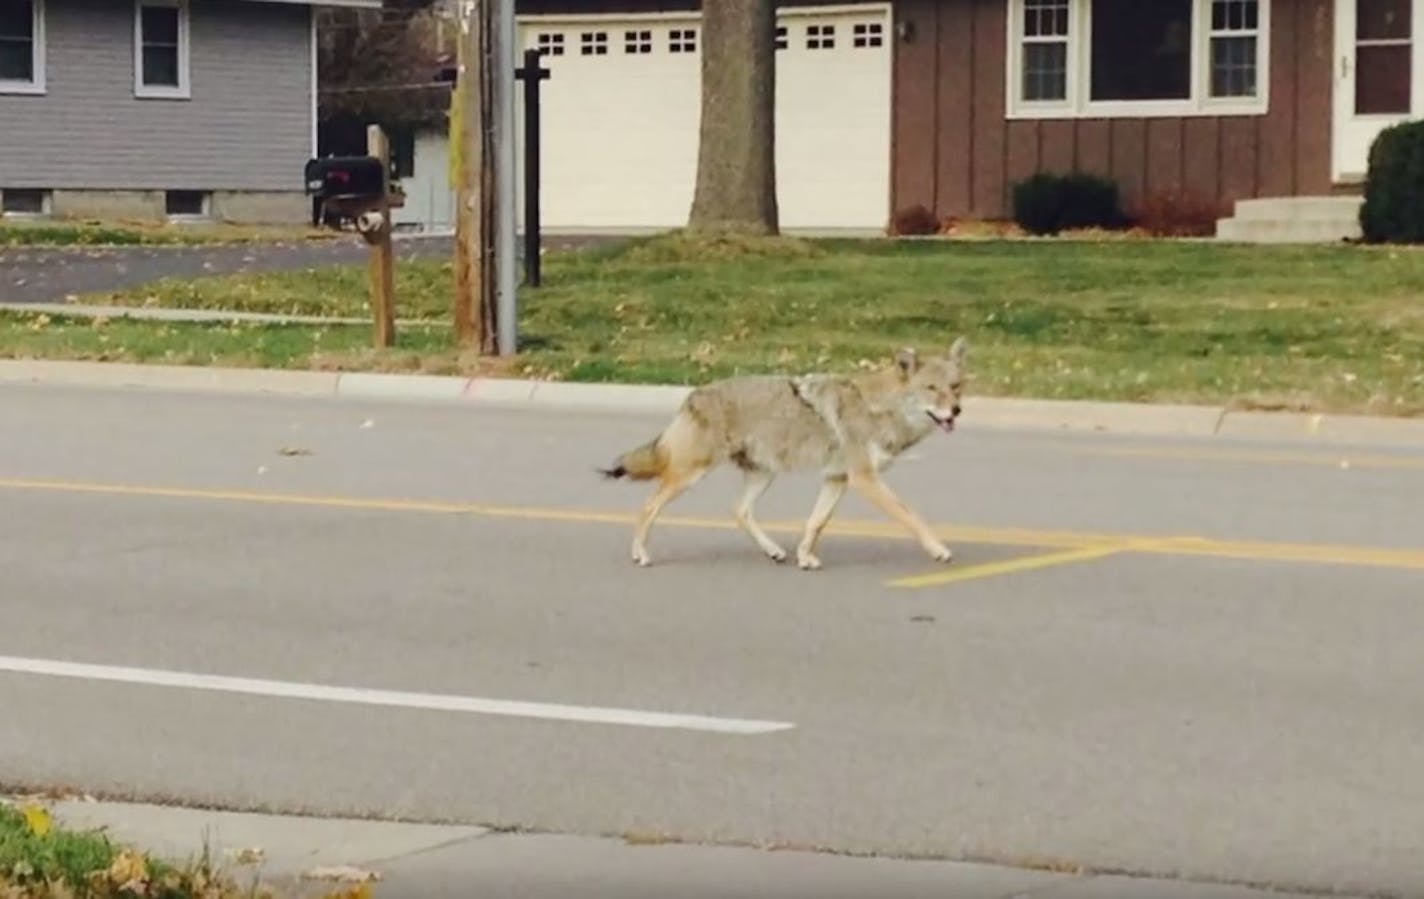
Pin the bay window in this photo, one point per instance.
(1096, 58)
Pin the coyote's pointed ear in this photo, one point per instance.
(959, 351)
(908, 361)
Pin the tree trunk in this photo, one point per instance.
(736, 161)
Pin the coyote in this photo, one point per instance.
(850, 428)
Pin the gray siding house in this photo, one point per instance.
(158, 108)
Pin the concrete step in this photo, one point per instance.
(1286, 230)
(1323, 209)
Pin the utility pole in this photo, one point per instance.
(485, 299)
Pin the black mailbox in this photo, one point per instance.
(344, 176)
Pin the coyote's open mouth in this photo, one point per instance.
(944, 424)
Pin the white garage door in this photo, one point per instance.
(621, 110)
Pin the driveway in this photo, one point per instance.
(52, 274)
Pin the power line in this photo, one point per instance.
(375, 88)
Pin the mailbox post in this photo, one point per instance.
(358, 188)
(383, 257)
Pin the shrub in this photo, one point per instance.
(1178, 214)
(1393, 211)
(1048, 204)
(914, 220)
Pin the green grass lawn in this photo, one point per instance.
(41, 860)
(1330, 328)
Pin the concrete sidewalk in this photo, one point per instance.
(419, 861)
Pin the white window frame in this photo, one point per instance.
(36, 85)
(1017, 40)
(1078, 103)
(184, 89)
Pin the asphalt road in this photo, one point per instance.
(1166, 657)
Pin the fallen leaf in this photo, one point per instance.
(345, 873)
(38, 820)
(250, 856)
(294, 451)
(128, 869)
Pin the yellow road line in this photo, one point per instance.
(1072, 541)
(1260, 457)
(1320, 554)
(1010, 566)
(851, 528)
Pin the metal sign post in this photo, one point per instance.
(531, 73)
(506, 305)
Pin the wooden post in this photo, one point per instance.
(474, 212)
(383, 289)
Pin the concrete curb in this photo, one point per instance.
(980, 412)
(180, 378)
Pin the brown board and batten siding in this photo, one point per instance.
(956, 152)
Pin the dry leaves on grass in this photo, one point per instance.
(343, 873)
(38, 819)
(42, 860)
(251, 856)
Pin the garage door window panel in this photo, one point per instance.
(593, 43)
(549, 43)
(682, 40)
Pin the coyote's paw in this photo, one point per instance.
(808, 562)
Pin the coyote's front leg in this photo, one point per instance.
(832, 489)
(869, 484)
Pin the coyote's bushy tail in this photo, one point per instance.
(641, 464)
(684, 444)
